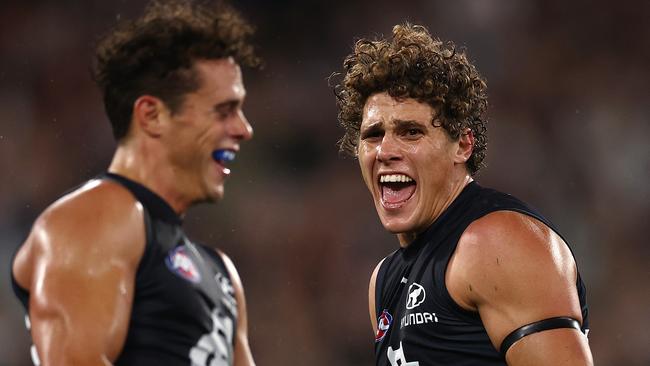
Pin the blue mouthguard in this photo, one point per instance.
(223, 155)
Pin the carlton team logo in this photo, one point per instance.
(416, 296)
(383, 324)
(179, 262)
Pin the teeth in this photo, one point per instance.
(389, 178)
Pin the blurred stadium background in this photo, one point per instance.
(569, 126)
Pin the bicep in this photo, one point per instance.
(78, 311)
(524, 274)
(561, 346)
(81, 289)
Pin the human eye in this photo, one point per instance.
(372, 133)
(226, 110)
(412, 132)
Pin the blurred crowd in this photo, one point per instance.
(568, 130)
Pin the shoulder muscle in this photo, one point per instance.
(98, 219)
(514, 270)
(85, 249)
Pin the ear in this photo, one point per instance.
(148, 114)
(465, 146)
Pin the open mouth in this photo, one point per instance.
(223, 157)
(396, 189)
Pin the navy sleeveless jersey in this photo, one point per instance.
(184, 311)
(419, 324)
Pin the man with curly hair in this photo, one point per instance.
(107, 274)
(480, 278)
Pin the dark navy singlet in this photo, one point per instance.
(184, 311)
(419, 324)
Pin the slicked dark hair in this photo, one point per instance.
(414, 65)
(155, 54)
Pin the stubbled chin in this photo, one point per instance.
(394, 227)
(396, 220)
(215, 194)
(214, 188)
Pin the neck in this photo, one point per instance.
(148, 166)
(455, 187)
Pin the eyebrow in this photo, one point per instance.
(397, 123)
(407, 123)
(373, 126)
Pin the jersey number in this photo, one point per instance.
(397, 358)
(215, 348)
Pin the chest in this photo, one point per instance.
(191, 278)
(414, 297)
(184, 300)
(418, 321)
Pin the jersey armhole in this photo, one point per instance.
(216, 255)
(149, 232)
(379, 281)
(149, 238)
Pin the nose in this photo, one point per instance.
(241, 129)
(388, 150)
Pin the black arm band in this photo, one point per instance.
(540, 326)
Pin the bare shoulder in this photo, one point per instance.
(513, 270)
(97, 196)
(79, 265)
(514, 240)
(99, 219)
(101, 211)
(505, 255)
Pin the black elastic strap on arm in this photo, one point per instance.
(540, 326)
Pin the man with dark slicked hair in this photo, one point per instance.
(480, 278)
(107, 275)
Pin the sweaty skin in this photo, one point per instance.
(499, 255)
(497, 259)
(80, 303)
(172, 153)
(398, 137)
(80, 259)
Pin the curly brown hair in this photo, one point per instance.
(155, 54)
(414, 65)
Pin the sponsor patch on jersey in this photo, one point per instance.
(179, 262)
(383, 324)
